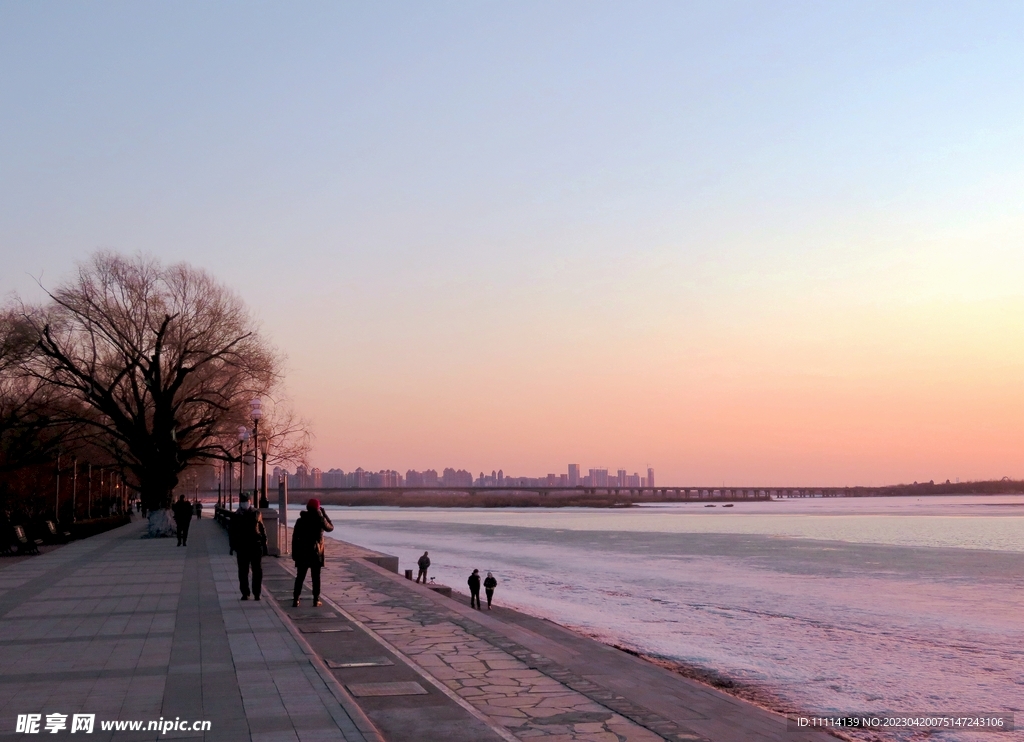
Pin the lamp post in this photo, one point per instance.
(56, 501)
(264, 501)
(74, 485)
(243, 436)
(256, 412)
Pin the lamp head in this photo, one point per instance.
(256, 408)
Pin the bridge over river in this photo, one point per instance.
(673, 494)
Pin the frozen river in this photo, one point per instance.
(826, 606)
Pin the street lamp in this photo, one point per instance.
(56, 503)
(243, 436)
(256, 412)
(264, 502)
(74, 486)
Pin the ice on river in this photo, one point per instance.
(827, 606)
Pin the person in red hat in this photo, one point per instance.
(308, 548)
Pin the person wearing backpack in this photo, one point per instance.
(308, 548)
(248, 541)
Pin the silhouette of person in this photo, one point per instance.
(308, 548)
(182, 511)
(474, 589)
(248, 539)
(423, 564)
(489, 584)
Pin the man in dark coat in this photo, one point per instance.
(248, 539)
(423, 564)
(199, 509)
(489, 584)
(182, 511)
(474, 589)
(308, 548)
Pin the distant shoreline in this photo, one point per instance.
(338, 498)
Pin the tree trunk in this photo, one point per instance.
(161, 524)
(156, 491)
(157, 488)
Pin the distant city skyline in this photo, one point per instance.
(305, 477)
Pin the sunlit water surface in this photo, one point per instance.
(826, 606)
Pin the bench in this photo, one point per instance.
(25, 544)
(55, 536)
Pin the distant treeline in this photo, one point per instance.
(1004, 486)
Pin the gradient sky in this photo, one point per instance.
(744, 243)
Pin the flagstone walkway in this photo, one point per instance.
(126, 629)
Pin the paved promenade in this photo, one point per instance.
(129, 629)
(135, 629)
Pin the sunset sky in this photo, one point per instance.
(742, 243)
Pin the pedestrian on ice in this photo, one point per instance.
(474, 589)
(308, 548)
(489, 584)
(182, 511)
(248, 540)
(423, 564)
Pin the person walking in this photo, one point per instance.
(199, 509)
(489, 584)
(423, 564)
(308, 548)
(248, 540)
(182, 511)
(474, 589)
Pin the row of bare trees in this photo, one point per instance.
(150, 366)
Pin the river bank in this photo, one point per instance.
(532, 677)
(767, 597)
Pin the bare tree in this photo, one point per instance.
(31, 429)
(159, 363)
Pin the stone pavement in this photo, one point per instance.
(531, 679)
(132, 629)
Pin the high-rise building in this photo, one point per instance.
(598, 477)
(650, 477)
(333, 478)
(574, 475)
(621, 476)
(430, 478)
